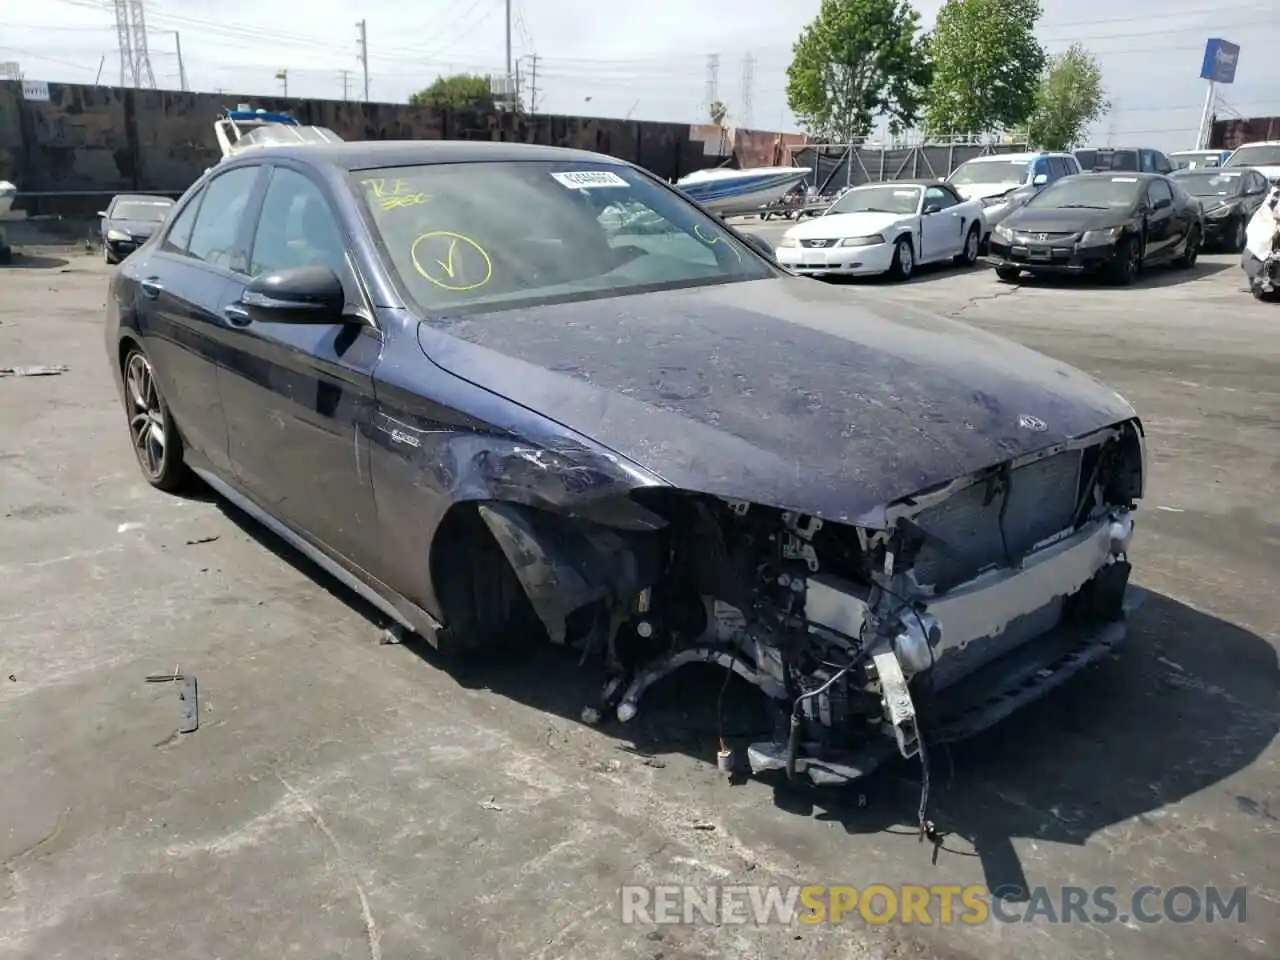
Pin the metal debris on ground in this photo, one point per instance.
(200, 540)
(34, 371)
(490, 804)
(189, 697)
(703, 826)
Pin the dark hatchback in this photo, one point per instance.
(459, 377)
(128, 223)
(1229, 198)
(1109, 223)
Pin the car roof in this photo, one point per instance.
(908, 182)
(371, 154)
(1027, 155)
(1122, 174)
(1259, 143)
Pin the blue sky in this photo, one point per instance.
(607, 58)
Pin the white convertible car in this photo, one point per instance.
(886, 228)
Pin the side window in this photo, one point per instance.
(175, 241)
(1162, 162)
(1159, 190)
(1148, 162)
(1057, 168)
(937, 197)
(1040, 166)
(296, 228)
(1257, 183)
(218, 224)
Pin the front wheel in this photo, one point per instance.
(1190, 253)
(1239, 236)
(969, 255)
(904, 261)
(1124, 267)
(156, 442)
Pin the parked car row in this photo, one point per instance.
(1033, 212)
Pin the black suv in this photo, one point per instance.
(1139, 159)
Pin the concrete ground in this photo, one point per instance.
(348, 799)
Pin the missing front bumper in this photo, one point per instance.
(981, 700)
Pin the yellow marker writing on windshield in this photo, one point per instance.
(712, 241)
(449, 258)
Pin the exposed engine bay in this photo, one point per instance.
(1261, 257)
(927, 622)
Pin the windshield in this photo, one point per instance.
(150, 210)
(481, 236)
(1255, 155)
(990, 171)
(1211, 184)
(1194, 161)
(903, 200)
(1097, 193)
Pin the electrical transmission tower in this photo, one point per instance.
(713, 80)
(127, 76)
(131, 37)
(748, 83)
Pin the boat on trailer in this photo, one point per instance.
(243, 129)
(735, 192)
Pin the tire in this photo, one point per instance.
(1124, 268)
(969, 256)
(1008, 274)
(106, 255)
(904, 260)
(1238, 235)
(1191, 253)
(157, 445)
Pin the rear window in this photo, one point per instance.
(1115, 160)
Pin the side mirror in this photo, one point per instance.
(758, 244)
(930, 208)
(102, 214)
(300, 295)
(1040, 179)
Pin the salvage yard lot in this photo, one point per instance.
(348, 799)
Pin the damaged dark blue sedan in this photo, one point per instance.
(505, 390)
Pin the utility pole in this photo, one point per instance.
(346, 84)
(283, 76)
(182, 70)
(142, 72)
(748, 88)
(362, 26)
(509, 74)
(533, 83)
(124, 39)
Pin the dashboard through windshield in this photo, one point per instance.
(467, 237)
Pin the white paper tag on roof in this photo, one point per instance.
(589, 179)
(1124, 179)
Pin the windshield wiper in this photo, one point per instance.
(1081, 206)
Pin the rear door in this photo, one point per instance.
(183, 280)
(299, 397)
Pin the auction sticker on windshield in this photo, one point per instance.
(589, 179)
(1124, 179)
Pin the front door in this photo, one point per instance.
(1161, 232)
(299, 397)
(180, 320)
(940, 231)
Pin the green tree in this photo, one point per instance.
(987, 64)
(461, 91)
(857, 60)
(1070, 97)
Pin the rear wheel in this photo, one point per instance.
(904, 260)
(1008, 274)
(969, 255)
(155, 439)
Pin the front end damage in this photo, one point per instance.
(928, 622)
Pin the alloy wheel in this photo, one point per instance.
(146, 416)
(971, 247)
(906, 261)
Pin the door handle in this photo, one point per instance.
(237, 315)
(150, 287)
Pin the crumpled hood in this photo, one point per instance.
(785, 392)
(980, 191)
(141, 229)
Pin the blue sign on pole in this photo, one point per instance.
(1220, 58)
